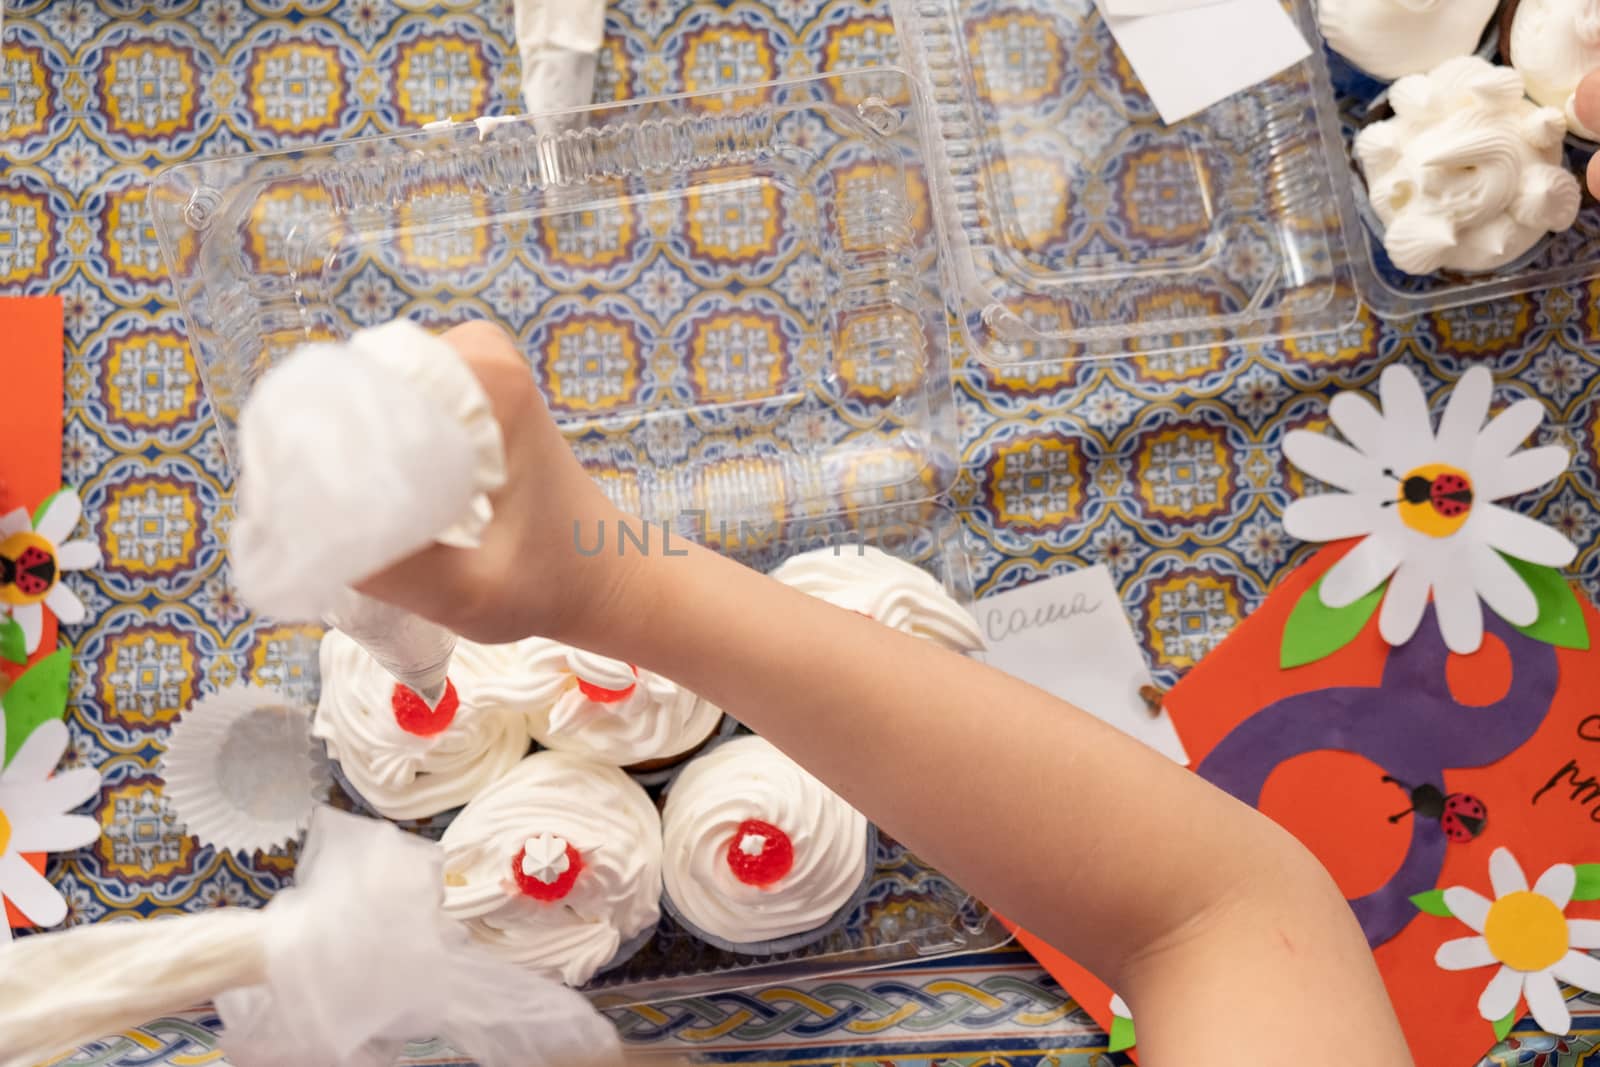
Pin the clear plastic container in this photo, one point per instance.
(731, 300)
(732, 304)
(1081, 225)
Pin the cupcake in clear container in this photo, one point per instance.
(557, 866)
(868, 580)
(758, 856)
(402, 759)
(611, 711)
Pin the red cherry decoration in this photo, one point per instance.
(547, 892)
(775, 859)
(601, 695)
(414, 716)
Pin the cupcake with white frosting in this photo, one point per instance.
(868, 580)
(404, 759)
(759, 857)
(611, 711)
(557, 866)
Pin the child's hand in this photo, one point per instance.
(1588, 108)
(526, 577)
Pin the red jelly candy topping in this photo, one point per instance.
(607, 696)
(764, 865)
(414, 715)
(547, 891)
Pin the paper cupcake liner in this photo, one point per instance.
(241, 770)
(793, 942)
(627, 950)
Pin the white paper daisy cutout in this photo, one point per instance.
(34, 553)
(1422, 503)
(1526, 933)
(34, 802)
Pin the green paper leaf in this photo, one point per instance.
(1315, 630)
(37, 697)
(44, 506)
(1121, 1034)
(1502, 1027)
(1432, 902)
(1560, 620)
(13, 645)
(1588, 885)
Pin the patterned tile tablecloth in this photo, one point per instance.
(1167, 470)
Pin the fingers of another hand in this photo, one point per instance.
(1587, 105)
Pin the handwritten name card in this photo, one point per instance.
(1069, 636)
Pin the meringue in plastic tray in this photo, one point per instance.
(1081, 225)
(731, 300)
(1558, 259)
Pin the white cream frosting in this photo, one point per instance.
(1393, 38)
(890, 590)
(1554, 44)
(400, 774)
(1468, 174)
(747, 778)
(658, 719)
(353, 456)
(611, 823)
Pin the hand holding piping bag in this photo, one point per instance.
(1197, 909)
(351, 457)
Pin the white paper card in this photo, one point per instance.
(1069, 636)
(1127, 8)
(1190, 58)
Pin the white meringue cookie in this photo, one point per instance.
(1392, 38)
(1467, 175)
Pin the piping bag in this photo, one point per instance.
(353, 456)
(559, 44)
(338, 971)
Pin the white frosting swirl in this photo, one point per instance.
(598, 810)
(658, 719)
(1392, 38)
(1468, 174)
(890, 590)
(402, 775)
(1555, 44)
(747, 778)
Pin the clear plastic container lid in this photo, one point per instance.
(1081, 225)
(731, 300)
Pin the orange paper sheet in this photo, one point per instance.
(1542, 797)
(32, 358)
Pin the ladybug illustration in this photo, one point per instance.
(1462, 815)
(1449, 493)
(27, 575)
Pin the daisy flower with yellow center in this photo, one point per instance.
(1421, 501)
(1527, 935)
(34, 820)
(34, 553)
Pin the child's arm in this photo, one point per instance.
(1201, 912)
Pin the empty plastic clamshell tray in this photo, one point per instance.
(1081, 225)
(731, 302)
